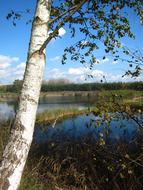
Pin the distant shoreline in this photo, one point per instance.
(14, 96)
(128, 95)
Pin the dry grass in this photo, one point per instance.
(86, 164)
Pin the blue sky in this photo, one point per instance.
(14, 45)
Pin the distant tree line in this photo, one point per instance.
(92, 86)
(66, 85)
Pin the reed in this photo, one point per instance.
(85, 164)
(57, 115)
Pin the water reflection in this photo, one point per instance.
(8, 109)
(84, 126)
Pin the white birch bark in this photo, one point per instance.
(16, 151)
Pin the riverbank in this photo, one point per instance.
(55, 116)
(14, 96)
(132, 94)
(109, 101)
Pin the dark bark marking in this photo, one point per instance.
(18, 127)
(4, 184)
(37, 21)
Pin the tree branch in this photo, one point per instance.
(56, 30)
(62, 14)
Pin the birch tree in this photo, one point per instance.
(16, 151)
(96, 20)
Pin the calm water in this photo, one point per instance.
(7, 109)
(84, 126)
(78, 127)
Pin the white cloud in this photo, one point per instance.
(4, 65)
(80, 75)
(10, 70)
(56, 73)
(3, 73)
(5, 61)
(19, 70)
(21, 66)
(97, 73)
(62, 32)
(55, 59)
(78, 71)
(85, 71)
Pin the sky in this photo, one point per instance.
(14, 46)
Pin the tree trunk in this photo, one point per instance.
(16, 151)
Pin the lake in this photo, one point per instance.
(77, 127)
(8, 108)
(84, 126)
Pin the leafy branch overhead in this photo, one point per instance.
(14, 16)
(135, 61)
(97, 21)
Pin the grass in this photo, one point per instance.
(30, 182)
(4, 134)
(126, 95)
(103, 93)
(8, 97)
(48, 117)
(106, 101)
(115, 99)
(56, 116)
(79, 165)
